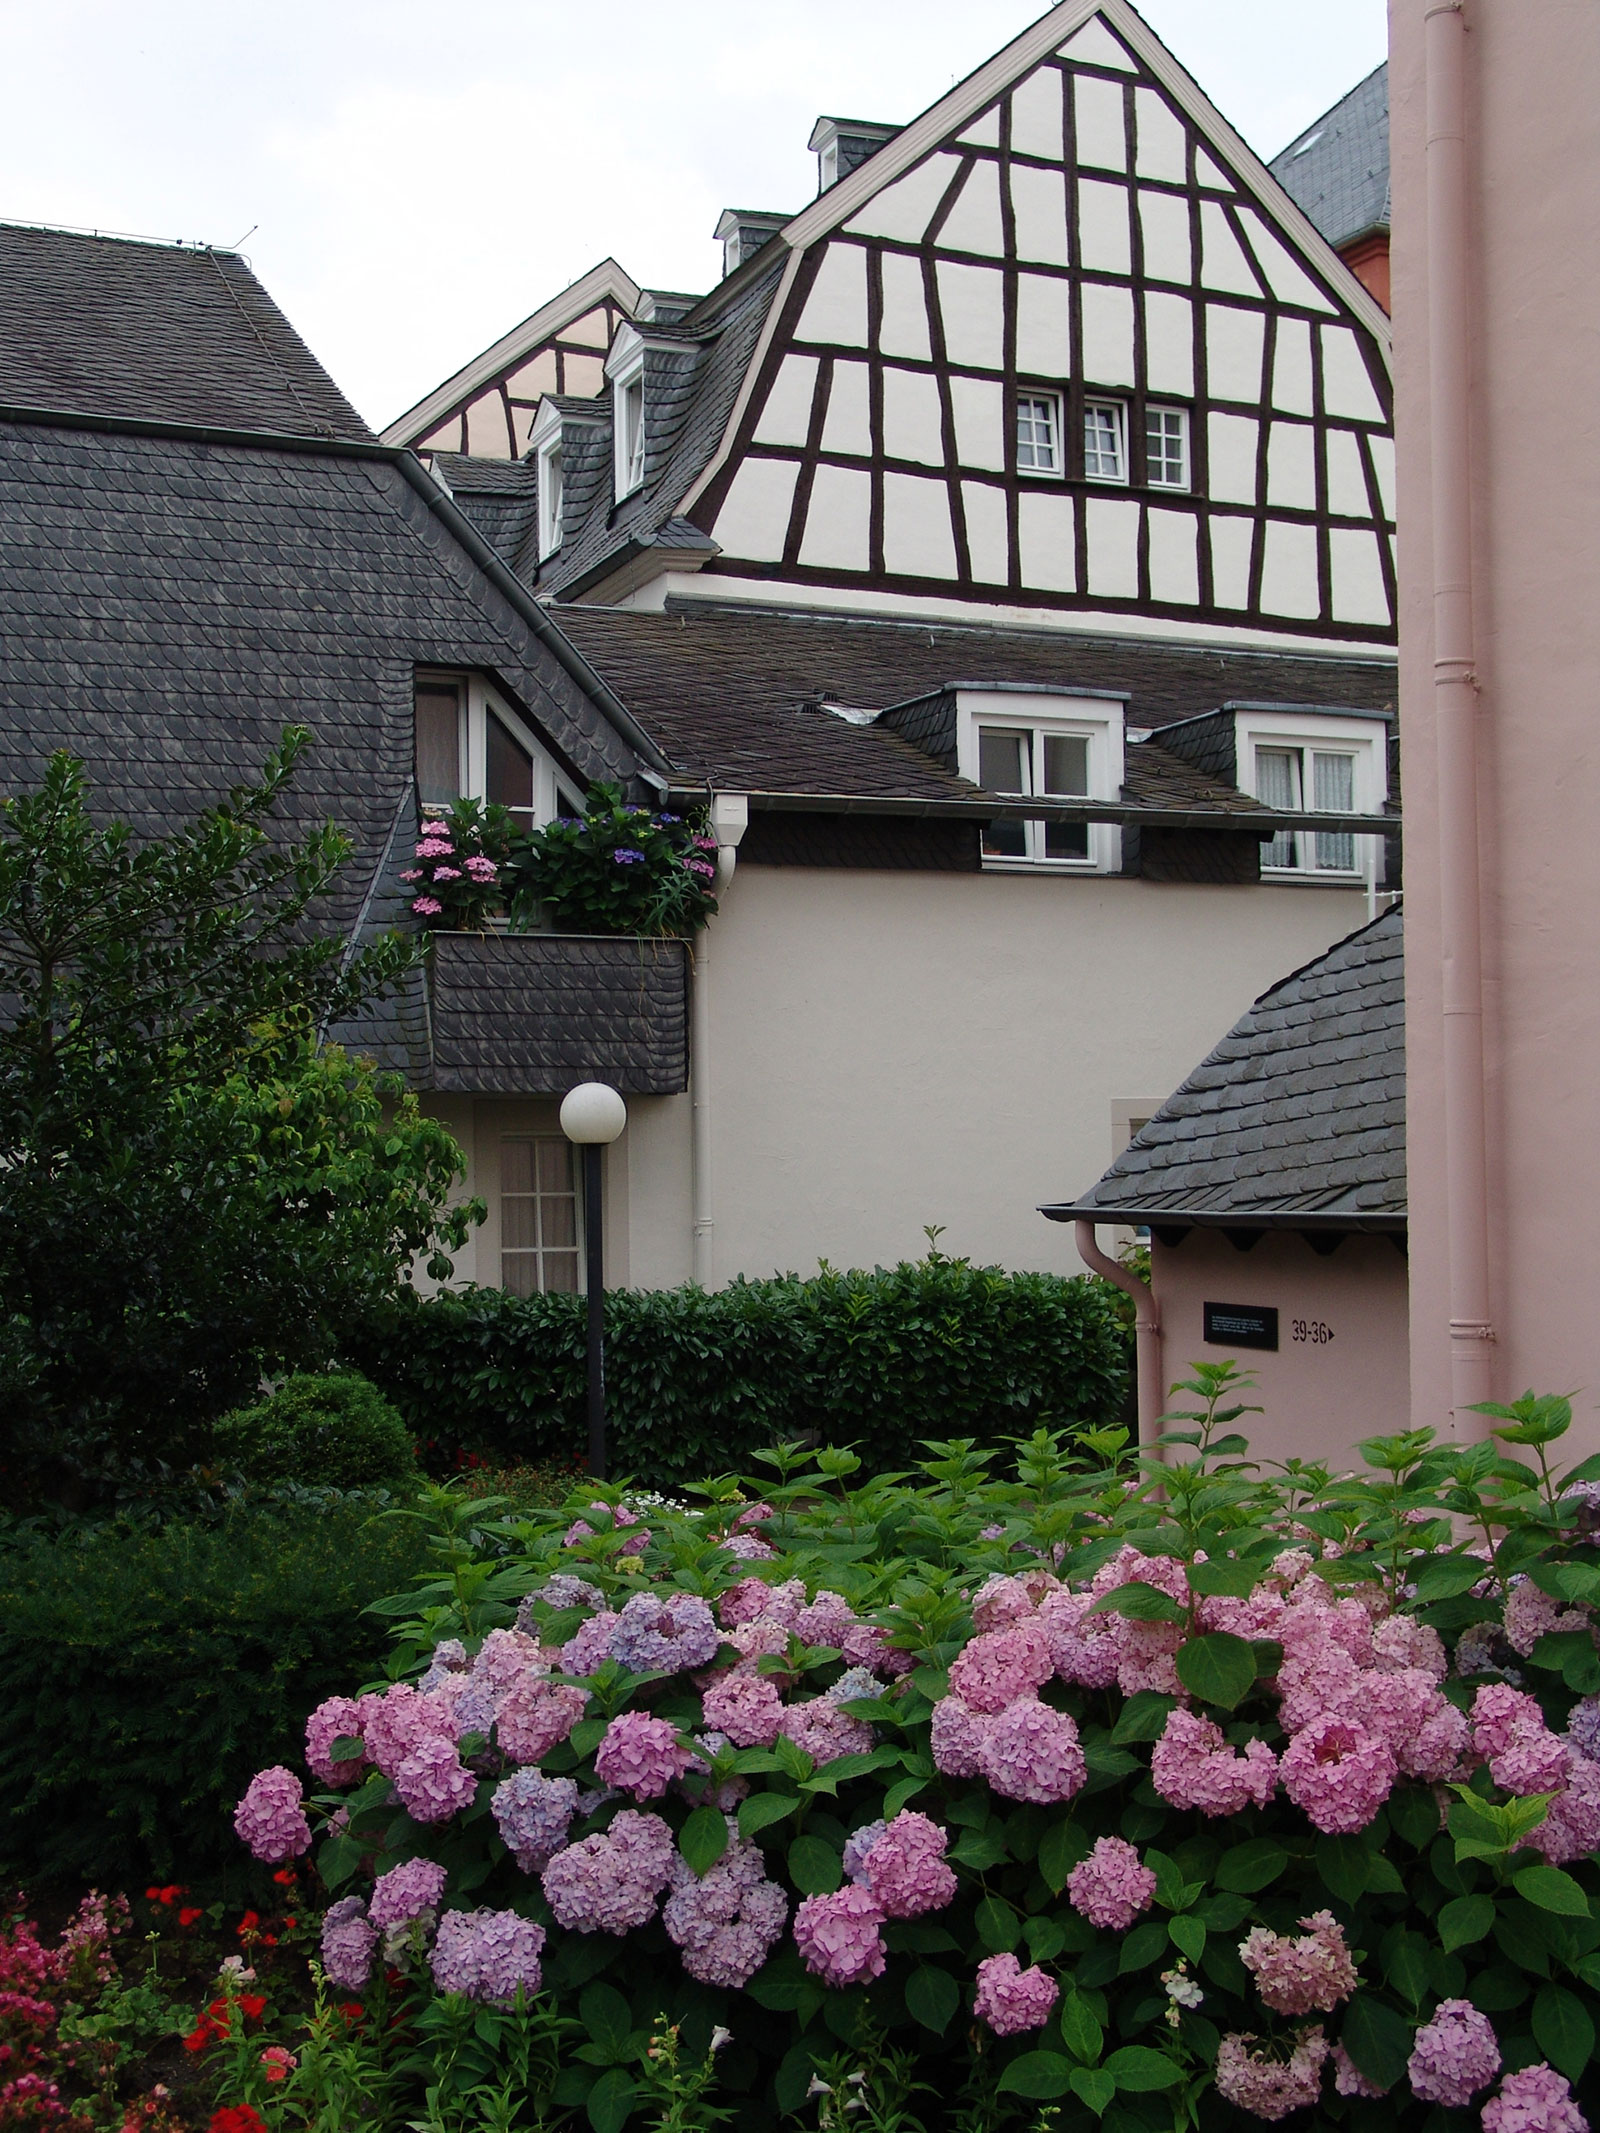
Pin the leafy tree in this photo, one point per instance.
(194, 1187)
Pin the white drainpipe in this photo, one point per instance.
(730, 816)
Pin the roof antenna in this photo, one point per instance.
(250, 232)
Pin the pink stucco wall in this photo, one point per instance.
(1320, 1396)
(1533, 86)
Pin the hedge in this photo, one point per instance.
(697, 1379)
(145, 1675)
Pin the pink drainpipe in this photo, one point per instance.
(1146, 1329)
(1456, 700)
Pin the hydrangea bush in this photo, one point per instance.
(1134, 1791)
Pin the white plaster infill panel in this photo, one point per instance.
(903, 210)
(1113, 526)
(973, 224)
(754, 520)
(1289, 583)
(1169, 343)
(1036, 116)
(847, 426)
(1234, 441)
(917, 538)
(1223, 265)
(1359, 593)
(1164, 225)
(1103, 227)
(1291, 367)
(904, 330)
(1232, 543)
(1047, 540)
(972, 311)
(1095, 46)
(1097, 111)
(836, 309)
(1039, 205)
(1234, 344)
(912, 419)
(838, 533)
(1347, 476)
(1044, 327)
(978, 405)
(988, 545)
(1162, 149)
(1292, 466)
(786, 417)
(1346, 385)
(1174, 557)
(1107, 334)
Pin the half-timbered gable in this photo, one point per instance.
(1064, 343)
(487, 409)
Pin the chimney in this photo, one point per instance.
(742, 232)
(842, 145)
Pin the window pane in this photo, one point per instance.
(1003, 760)
(508, 769)
(1066, 763)
(1037, 431)
(438, 721)
(1102, 442)
(550, 500)
(538, 1216)
(1166, 459)
(1333, 786)
(1066, 840)
(1278, 785)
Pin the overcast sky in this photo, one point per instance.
(412, 177)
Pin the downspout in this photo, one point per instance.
(1146, 1331)
(1456, 709)
(730, 816)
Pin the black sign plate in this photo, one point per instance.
(1242, 1325)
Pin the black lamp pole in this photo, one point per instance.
(596, 1284)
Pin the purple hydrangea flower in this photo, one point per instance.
(434, 1783)
(348, 1941)
(487, 1955)
(533, 1815)
(625, 858)
(609, 1883)
(655, 1635)
(726, 1921)
(641, 1754)
(838, 1936)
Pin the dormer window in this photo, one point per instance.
(1027, 744)
(471, 745)
(550, 498)
(1315, 763)
(630, 435)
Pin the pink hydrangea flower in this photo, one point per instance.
(338, 1718)
(348, 1944)
(824, 1731)
(1312, 1620)
(609, 1883)
(507, 1658)
(434, 1783)
(1002, 1600)
(1030, 1751)
(533, 1814)
(1310, 1975)
(1453, 2056)
(838, 1936)
(1084, 1647)
(641, 1754)
(958, 1733)
(1112, 1886)
(271, 1818)
(749, 1547)
(1129, 1567)
(1530, 1614)
(426, 906)
(1401, 1641)
(1338, 1774)
(1192, 1765)
(1266, 2085)
(396, 1722)
(904, 1867)
(747, 1707)
(405, 1892)
(536, 1716)
(1011, 1999)
(1348, 2078)
(1571, 1827)
(1509, 1731)
(1147, 1658)
(481, 868)
(1427, 1735)
(1536, 2100)
(1002, 1664)
(752, 1598)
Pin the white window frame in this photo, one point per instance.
(1057, 407)
(546, 444)
(552, 793)
(1101, 403)
(1173, 488)
(625, 369)
(1098, 719)
(1365, 741)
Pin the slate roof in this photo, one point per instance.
(1337, 172)
(103, 326)
(732, 693)
(1296, 1120)
(531, 1014)
(168, 605)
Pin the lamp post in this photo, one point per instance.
(592, 1115)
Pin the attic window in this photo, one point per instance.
(1027, 745)
(551, 497)
(1315, 764)
(1039, 433)
(629, 411)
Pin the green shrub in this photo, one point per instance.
(145, 1675)
(336, 1431)
(697, 1379)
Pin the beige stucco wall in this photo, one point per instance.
(1533, 76)
(890, 1050)
(1320, 1396)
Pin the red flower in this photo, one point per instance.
(248, 1923)
(252, 2005)
(188, 1915)
(169, 1895)
(286, 1877)
(352, 2010)
(237, 2118)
